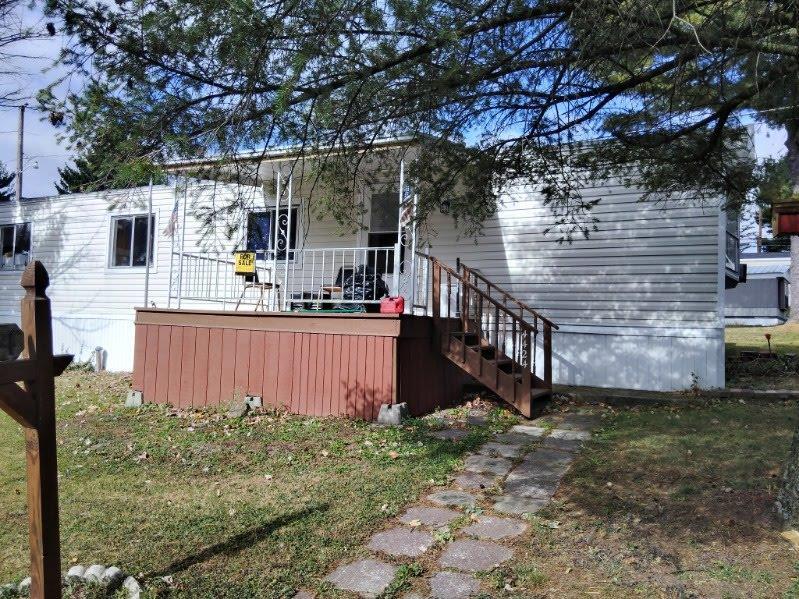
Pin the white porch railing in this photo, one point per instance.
(311, 278)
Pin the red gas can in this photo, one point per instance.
(392, 305)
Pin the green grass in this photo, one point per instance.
(784, 338)
(780, 372)
(667, 501)
(257, 507)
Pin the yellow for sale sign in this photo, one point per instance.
(245, 263)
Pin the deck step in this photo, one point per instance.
(471, 339)
(485, 362)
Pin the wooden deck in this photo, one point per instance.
(307, 363)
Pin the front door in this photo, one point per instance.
(383, 230)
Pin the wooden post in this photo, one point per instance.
(33, 406)
(436, 299)
(40, 442)
(548, 354)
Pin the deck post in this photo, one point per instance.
(182, 242)
(275, 289)
(398, 244)
(171, 252)
(413, 252)
(276, 233)
(548, 354)
(436, 299)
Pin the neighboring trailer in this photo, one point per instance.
(763, 300)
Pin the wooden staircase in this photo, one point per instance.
(492, 336)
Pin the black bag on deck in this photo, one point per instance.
(364, 284)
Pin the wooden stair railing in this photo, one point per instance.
(490, 338)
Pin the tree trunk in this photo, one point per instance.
(793, 170)
(788, 497)
(793, 279)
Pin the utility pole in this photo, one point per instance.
(20, 151)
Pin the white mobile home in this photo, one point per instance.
(639, 304)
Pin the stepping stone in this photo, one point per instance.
(515, 439)
(580, 422)
(570, 445)
(303, 594)
(453, 585)
(452, 497)
(559, 433)
(531, 431)
(367, 577)
(501, 449)
(545, 468)
(474, 556)
(548, 458)
(473, 480)
(477, 420)
(450, 434)
(531, 487)
(401, 542)
(485, 465)
(519, 505)
(429, 516)
(490, 527)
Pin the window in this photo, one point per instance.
(261, 230)
(16, 243)
(128, 240)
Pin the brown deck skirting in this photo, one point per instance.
(315, 364)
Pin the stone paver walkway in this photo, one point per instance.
(526, 464)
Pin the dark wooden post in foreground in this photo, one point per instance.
(33, 406)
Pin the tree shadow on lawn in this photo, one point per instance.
(238, 542)
(698, 485)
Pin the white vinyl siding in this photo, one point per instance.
(647, 265)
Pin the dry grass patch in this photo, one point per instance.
(667, 503)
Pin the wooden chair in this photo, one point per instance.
(338, 285)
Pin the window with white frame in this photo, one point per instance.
(15, 240)
(129, 240)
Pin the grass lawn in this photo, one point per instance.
(780, 373)
(228, 508)
(667, 503)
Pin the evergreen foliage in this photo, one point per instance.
(506, 86)
(6, 184)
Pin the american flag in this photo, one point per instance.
(172, 225)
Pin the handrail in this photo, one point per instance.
(518, 302)
(482, 293)
(521, 333)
